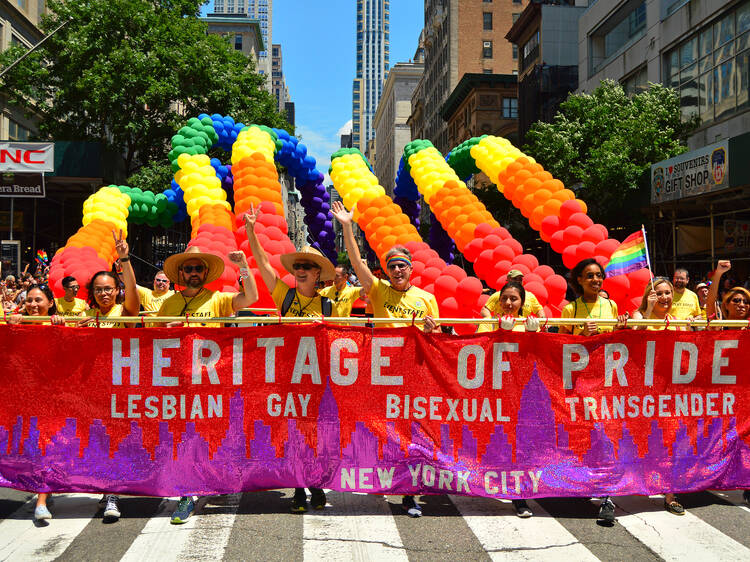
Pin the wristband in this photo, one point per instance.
(244, 272)
(127, 258)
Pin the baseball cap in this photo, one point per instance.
(700, 286)
(514, 273)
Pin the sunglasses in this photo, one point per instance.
(191, 268)
(167, 280)
(305, 265)
(737, 300)
(74, 287)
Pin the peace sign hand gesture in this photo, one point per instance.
(121, 245)
(251, 217)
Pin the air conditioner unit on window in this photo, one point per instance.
(487, 44)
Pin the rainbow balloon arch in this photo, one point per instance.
(215, 195)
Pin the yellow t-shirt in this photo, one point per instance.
(530, 304)
(116, 310)
(302, 306)
(685, 305)
(75, 308)
(341, 301)
(656, 328)
(387, 302)
(150, 301)
(206, 304)
(602, 308)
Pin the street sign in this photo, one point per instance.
(21, 185)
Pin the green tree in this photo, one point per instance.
(128, 74)
(606, 141)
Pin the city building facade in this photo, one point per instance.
(244, 33)
(392, 131)
(373, 51)
(278, 83)
(261, 10)
(466, 36)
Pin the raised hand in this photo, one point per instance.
(238, 257)
(342, 215)
(121, 245)
(652, 299)
(723, 266)
(251, 217)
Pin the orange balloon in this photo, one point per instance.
(466, 231)
(553, 185)
(552, 207)
(531, 185)
(389, 241)
(393, 220)
(535, 167)
(584, 207)
(521, 176)
(527, 207)
(523, 161)
(540, 196)
(563, 195)
(515, 166)
(543, 176)
(477, 217)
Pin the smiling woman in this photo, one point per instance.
(587, 278)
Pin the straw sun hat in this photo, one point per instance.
(308, 253)
(173, 263)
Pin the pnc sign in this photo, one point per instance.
(27, 157)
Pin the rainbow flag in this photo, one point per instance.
(629, 256)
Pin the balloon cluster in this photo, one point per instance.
(225, 127)
(405, 186)
(224, 173)
(197, 179)
(556, 214)
(215, 235)
(149, 208)
(255, 138)
(411, 208)
(195, 138)
(255, 181)
(441, 241)
(293, 155)
(385, 226)
(461, 160)
(175, 195)
(92, 248)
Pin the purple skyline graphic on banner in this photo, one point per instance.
(544, 465)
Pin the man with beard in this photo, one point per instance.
(152, 299)
(395, 298)
(685, 302)
(193, 270)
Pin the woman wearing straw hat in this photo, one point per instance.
(308, 267)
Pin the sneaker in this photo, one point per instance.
(41, 513)
(522, 509)
(317, 498)
(410, 507)
(299, 501)
(185, 508)
(746, 496)
(607, 511)
(112, 511)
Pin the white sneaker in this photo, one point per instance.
(112, 511)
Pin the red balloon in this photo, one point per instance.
(557, 241)
(606, 247)
(491, 241)
(448, 308)
(445, 286)
(568, 208)
(522, 267)
(528, 260)
(435, 262)
(503, 252)
(482, 299)
(572, 235)
(482, 230)
(601, 260)
(638, 280)
(632, 304)
(550, 225)
(289, 280)
(539, 290)
(468, 291)
(499, 282)
(456, 272)
(593, 234)
(585, 250)
(502, 232)
(556, 288)
(472, 249)
(580, 219)
(514, 245)
(544, 271)
(569, 257)
(430, 288)
(430, 274)
(500, 268)
(532, 278)
(617, 287)
(417, 268)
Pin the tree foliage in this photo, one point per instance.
(606, 141)
(128, 73)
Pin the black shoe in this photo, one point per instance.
(522, 509)
(410, 506)
(674, 507)
(317, 498)
(607, 512)
(745, 496)
(299, 501)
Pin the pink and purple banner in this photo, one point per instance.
(167, 412)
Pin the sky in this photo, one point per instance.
(318, 46)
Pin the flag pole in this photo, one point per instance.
(648, 259)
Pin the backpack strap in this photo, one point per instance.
(288, 300)
(326, 306)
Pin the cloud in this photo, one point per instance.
(320, 145)
(346, 128)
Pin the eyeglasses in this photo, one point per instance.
(191, 268)
(74, 287)
(167, 280)
(738, 300)
(104, 290)
(307, 266)
(398, 265)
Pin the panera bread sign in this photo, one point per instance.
(690, 174)
(27, 157)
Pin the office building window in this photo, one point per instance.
(515, 51)
(487, 21)
(17, 132)
(486, 71)
(238, 42)
(637, 82)
(710, 69)
(515, 17)
(487, 49)
(510, 108)
(624, 27)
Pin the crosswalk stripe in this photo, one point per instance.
(732, 496)
(21, 539)
(352, 527)
(202, 536)
(673, 537)
(506, 537)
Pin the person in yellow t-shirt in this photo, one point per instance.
(701, 290)
(685, 303)
(341, 294)
(395, 298)
(69, 304)
(308, 267)
(152, 299)
(530, 304)
(508, 305)
(105, 298)
(587, 278)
